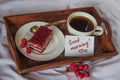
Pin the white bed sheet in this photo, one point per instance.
(105, 69)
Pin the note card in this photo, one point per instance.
(79, 46)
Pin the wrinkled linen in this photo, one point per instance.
(104, 69)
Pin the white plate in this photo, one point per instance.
(54, 48)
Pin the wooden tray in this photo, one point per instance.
(104, 47)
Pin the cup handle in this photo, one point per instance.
(98, 31)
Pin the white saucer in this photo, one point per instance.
(54, 48)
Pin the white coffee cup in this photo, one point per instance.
(96, 31)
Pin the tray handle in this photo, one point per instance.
(106, 37)
(107, 28)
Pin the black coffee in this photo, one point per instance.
(82, 24)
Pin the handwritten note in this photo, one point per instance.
(76, 46)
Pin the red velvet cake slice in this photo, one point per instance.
(41, 38)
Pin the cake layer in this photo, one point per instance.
(41, 38)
